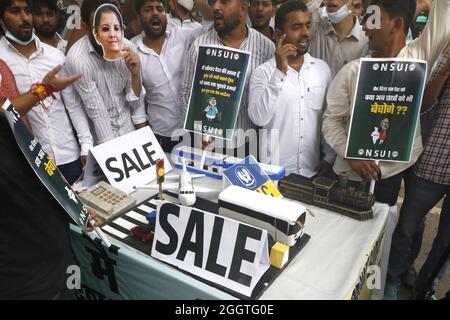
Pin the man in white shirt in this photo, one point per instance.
(230, 30)
(386, 42)
(30, 60)
(287, 95)
(180, 15)
(45, 21)
(337, 37)
(163, 57)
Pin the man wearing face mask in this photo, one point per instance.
(337, 37)
(29, 59)
(388, 41)
(180, 15)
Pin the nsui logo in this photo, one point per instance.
(245, 177)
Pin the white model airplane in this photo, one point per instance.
(186, 192)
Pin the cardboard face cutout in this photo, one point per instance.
(109, 31)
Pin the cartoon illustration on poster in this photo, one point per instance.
(386, 109)
(219, 81)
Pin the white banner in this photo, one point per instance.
(218, 249)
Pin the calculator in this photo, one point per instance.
(108, 201)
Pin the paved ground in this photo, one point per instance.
(432, 223)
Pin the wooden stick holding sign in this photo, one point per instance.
(100, 234)
(160, 176)
(372, 182)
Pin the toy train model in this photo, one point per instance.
(332, 194)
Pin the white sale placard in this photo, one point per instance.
(128, 161)
(221, 250)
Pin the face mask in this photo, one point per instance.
(338, 16)
(9, 36)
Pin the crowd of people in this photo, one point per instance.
(130, 64)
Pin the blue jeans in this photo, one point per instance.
(420, 197)
(71, 171)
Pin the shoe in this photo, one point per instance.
(409, 278)
(429, 294)
(390, 292)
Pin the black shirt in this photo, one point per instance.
(34, 231)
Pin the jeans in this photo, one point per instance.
(420, 197)
(386, 191)
(71, 171)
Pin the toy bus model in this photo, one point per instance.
(216, 163)
(284, 220)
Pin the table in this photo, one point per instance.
(336, 263)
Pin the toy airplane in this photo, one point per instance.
(186, 192)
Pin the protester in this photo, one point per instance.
(231, 31)
(45, 21)
(261, 12)
(386, 42)
(337, 37)
(30, 59)
(163, 56)
(34, 230)
(287, 95)
(180, 15)
(359, 7)
(428, 183)
(111, 91)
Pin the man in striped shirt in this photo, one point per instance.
(230, 30)
(111, 91)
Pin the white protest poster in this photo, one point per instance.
(129, 161)
(221, 250)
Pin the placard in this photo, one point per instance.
(128, 161)
(386, 109)
(218, 249)
(45, 168)
(217, 88)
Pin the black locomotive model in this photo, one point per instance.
(332, 194)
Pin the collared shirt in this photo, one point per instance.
(162, 75)
(342, 91)
(325, 43)
(290, 106)
(62, 44)
(261, 49)
(53, 129)
(188, 24)
(106, 91)
(434, 163)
